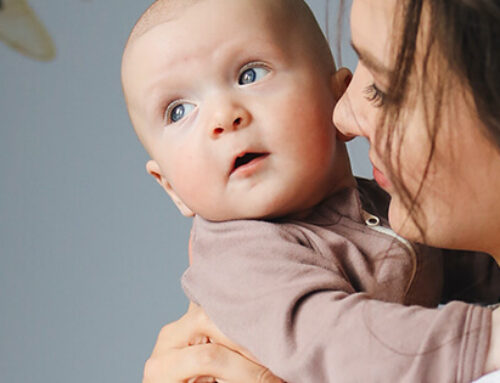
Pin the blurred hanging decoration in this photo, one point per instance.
(21, 30)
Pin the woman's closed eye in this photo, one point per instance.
(375, 95)
(252, 72)
(177, 110)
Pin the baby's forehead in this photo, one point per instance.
(161, 11)
(287, 24)
(180, 20)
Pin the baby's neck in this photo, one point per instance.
(346, 182)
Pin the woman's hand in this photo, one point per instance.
(192, 349)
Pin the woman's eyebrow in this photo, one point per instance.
(370, 61)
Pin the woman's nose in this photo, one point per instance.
(353, 115)
(229, 117)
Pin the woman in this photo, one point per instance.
(426, 94)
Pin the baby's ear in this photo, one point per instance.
(153, 168)
(340, 81)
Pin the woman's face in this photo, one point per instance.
(459, 198)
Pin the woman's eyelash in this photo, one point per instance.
(375, 95)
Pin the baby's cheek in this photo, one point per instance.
(186, 176)
(194, 181)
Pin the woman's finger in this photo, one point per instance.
(193, 325)
(206, 360)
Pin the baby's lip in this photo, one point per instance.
(245, 158)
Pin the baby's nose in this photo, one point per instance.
(233, 118)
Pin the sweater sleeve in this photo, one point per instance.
(299, 315)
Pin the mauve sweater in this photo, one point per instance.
(335, 297)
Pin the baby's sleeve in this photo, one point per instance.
(300, 316)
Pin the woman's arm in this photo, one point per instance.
(182, 354)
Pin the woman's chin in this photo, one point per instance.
(401, 222)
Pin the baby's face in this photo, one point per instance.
(236, 117)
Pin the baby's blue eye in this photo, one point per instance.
(251, 75)
(177, 111)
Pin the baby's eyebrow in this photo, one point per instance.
(371, 61)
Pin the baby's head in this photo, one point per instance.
(233, 101)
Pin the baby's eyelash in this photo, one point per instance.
(375, 95)
(167, 109)
(254, 64)
(180, 107)
(257, 69)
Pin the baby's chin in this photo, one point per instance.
(265, 212)
(251, 211)
(240, 215)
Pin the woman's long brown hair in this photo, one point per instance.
(465, 34)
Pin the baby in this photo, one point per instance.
(291, 256)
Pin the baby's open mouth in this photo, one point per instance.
(247, 158)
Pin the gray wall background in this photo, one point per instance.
(91, 250)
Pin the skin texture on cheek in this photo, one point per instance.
(455, 209)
